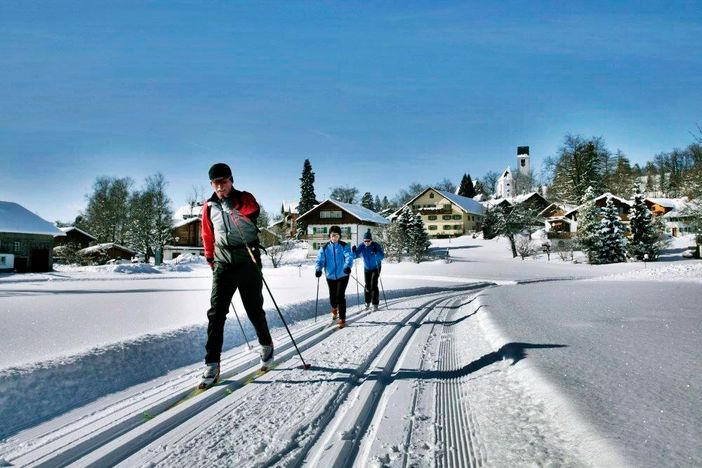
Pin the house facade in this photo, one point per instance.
(185, 233)
(75, 236)
(354, 221)
(446, 214)
(672, 212)
(26, 240)
(102, 253)
(569, 219)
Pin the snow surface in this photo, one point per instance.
(480, 359)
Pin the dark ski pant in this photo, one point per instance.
(337, 294)
(226, 279)
(371, 289)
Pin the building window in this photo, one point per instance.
(431, 195)
(18, 246)
(330, 214)
(457, 227)
(457, 216)
(432, 217)
(319, 230)
(446, 217)
(346, 230)
(447, 227)
(432, 227)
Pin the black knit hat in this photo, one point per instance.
(367, 235)
(219, 171)
(335, 229)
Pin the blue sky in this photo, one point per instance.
(377, 95)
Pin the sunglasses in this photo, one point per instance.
(367, 241)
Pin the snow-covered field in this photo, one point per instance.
(482, 360)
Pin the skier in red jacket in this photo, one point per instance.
(228, 227)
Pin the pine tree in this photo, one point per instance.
(588, 226)
(467, 189)
(307, 197)
(393, 239)
(405, 219)
(385, 204)
(418, 239)
(367, 201)
(479, 189)
(377, 204)
(611, 232)
(644, 236)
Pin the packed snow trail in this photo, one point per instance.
(414, 384)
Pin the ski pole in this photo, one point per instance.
(359, 283)
(240, 325)
(377, 266)
(358, 300)
(251, 256)
(316, 301)
(382, 289)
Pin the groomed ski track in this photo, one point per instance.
(397, 387)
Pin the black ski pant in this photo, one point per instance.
(371, 289)
(226, 279)
(337, 294)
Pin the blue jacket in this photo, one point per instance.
(372, 255)
(334, 258)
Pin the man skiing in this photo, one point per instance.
(228, 227)
(335, 258)
(372, 254)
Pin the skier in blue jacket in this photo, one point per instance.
(335, 258)
(373, 255)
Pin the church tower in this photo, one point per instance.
(523, 160)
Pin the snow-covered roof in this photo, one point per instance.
(187, 211)
(363, 214)
(183, 222)
(68, 229)
(563, 206)
(466, 204)
(357, 211)
(16, 218)
(105, 246)
(604, 195)
(672, 203)
(290, 206)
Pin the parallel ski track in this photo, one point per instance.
(456, 430)
(356, 419)
(69, 442)
(334, 408)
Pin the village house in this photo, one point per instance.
(564, 225)
(672, 212)
(185, 232)
(354, 221)
(286, 226)
(446, 214)
(74, 236)
(26, 240)
(102, 253)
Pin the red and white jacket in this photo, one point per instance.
(228, 225)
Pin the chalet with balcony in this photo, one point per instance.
(354, 221)
(446, 214)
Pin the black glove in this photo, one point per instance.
(347, 270)
(318, 273)
(353, 248)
